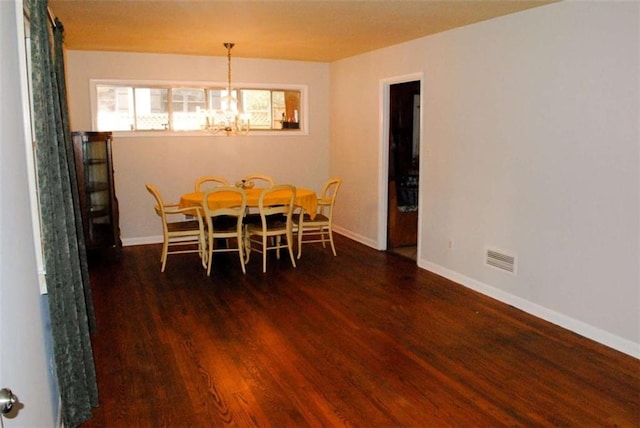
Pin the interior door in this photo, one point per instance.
(404, 161)
(24, 364)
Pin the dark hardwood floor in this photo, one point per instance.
(365, 339)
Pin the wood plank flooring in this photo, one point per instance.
(365, 339)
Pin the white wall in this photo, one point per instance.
(530, 144)
(174, 163)
(23, 318)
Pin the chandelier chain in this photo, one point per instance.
(229, 46)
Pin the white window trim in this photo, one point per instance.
(304, 119)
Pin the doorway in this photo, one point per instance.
(403, 168)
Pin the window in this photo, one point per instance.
(121, 106)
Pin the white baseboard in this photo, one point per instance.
(127, 242)
(358, 238)
(611, 340)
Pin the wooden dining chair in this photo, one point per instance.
(320, 228)
(207, 182)
(225, 223)
(182, 235)
(250, 181)
(275, 224)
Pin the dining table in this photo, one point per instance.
(305, 198)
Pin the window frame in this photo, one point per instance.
(171, 84)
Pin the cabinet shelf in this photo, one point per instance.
(97, 186)
(96, 161)
(99, 211)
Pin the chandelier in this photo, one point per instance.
(228, 119)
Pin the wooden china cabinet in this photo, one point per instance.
(98, 203)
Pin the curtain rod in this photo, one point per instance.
(52, 17)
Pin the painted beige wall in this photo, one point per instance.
(530, 145)
(173, 163)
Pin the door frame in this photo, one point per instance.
(383, 156)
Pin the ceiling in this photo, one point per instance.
(304, 30)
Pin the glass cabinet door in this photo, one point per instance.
(98, 195)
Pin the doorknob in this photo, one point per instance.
(7, 400)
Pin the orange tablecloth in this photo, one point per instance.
(305, 198)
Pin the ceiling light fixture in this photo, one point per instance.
(228, 118)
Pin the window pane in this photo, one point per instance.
(115, 108)
(187, 106)
(151, 108)
(292, 109)
(219, 100)
(220, 104)
(286, 109)
(257, 104)
(279, 110)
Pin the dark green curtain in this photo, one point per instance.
(58, 59)
(63, 244)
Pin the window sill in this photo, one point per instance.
(174, 134)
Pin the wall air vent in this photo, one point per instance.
(500, 260)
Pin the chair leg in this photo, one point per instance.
(247, 245)
(204, 249)
(209, 256)
(244, 271)
(264, 254)
(333, 247)
(290, 248)
(299, 241)
(163, 258)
